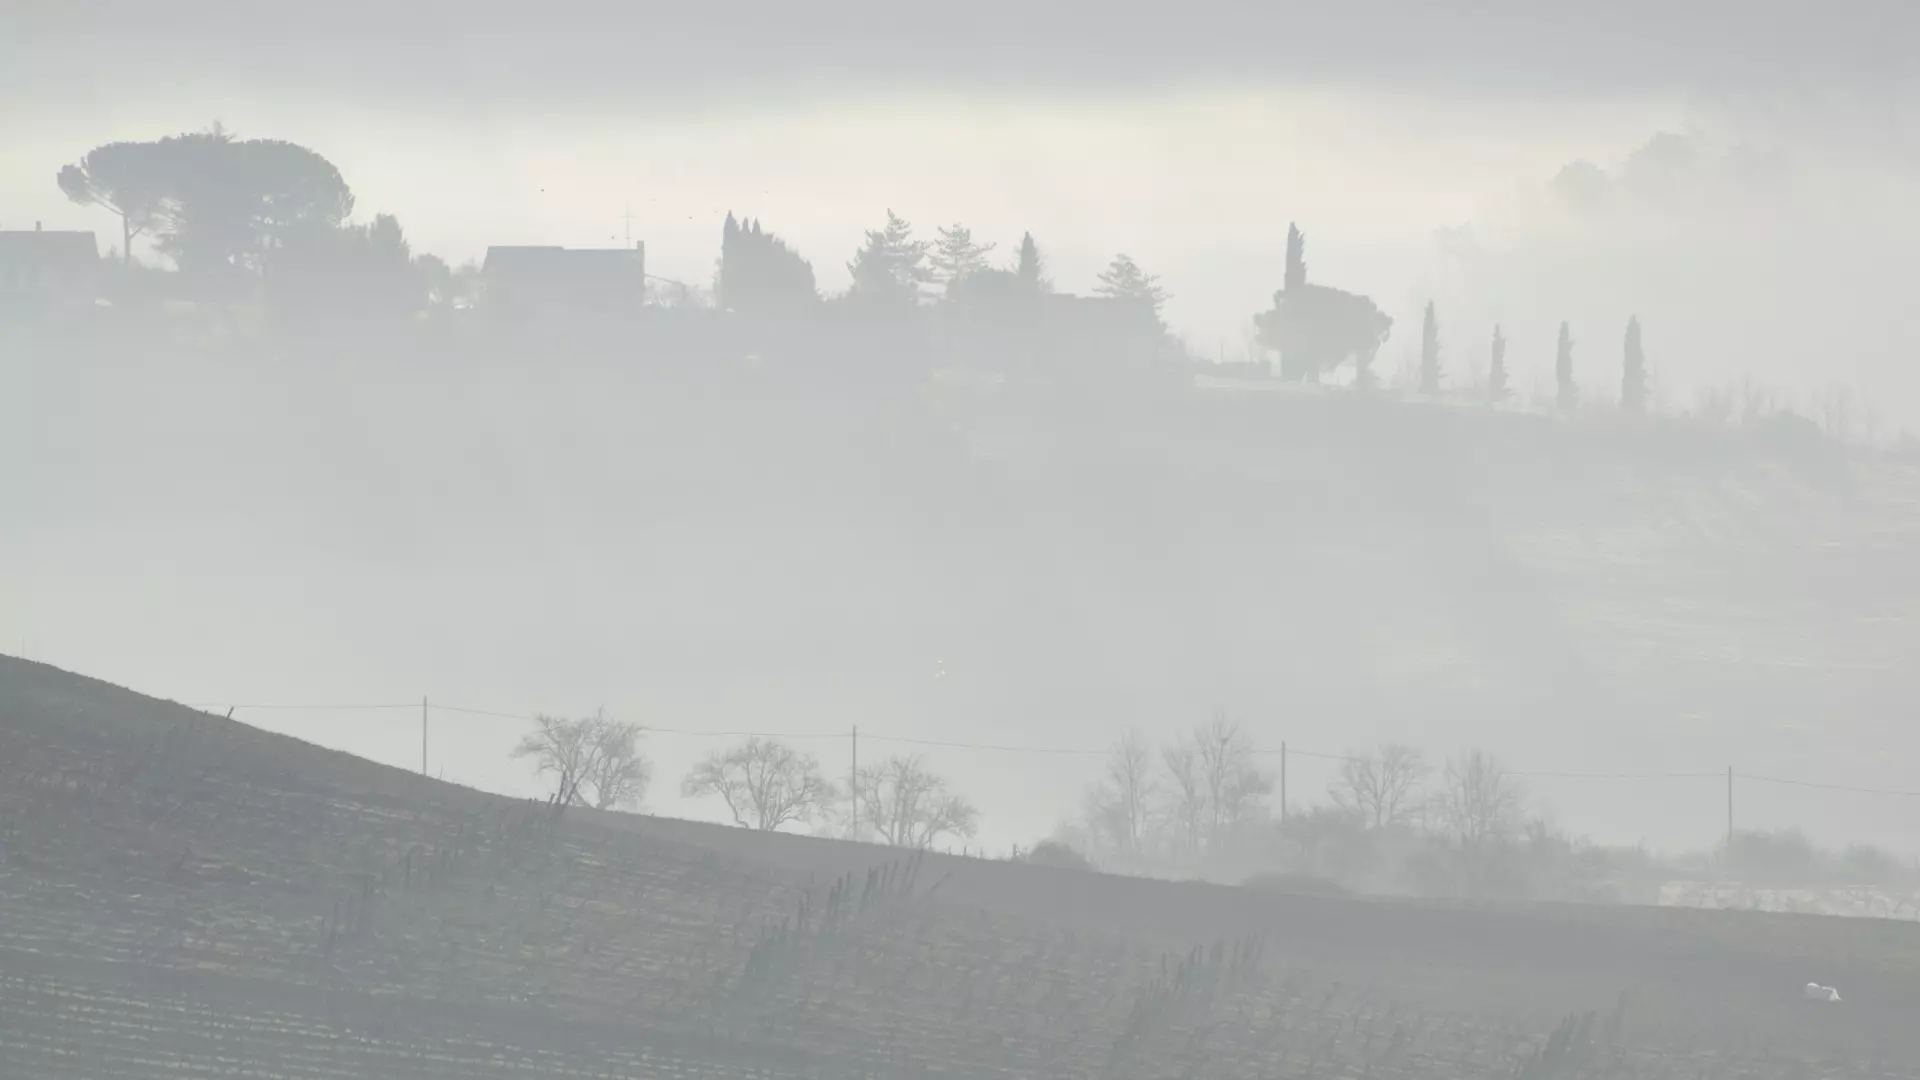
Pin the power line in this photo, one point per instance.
(1616, 776)
(1008, 748)
(986, 746)
(307, 708)
(1827, 787)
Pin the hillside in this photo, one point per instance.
(789, 551)
(179, 892)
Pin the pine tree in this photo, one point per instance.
(1569, 391)
(1498, 389)
(1430, 372)
(1124, 280)
(1633, 380)
(891, 266)
(955, 255)
(1296, 258)
(1031, 269)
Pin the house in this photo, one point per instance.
(565, 282)
(48, 271)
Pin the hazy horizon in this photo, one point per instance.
(1751, 200)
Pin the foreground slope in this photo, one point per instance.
(181, 893)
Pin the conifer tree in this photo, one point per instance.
(956, 254)
(1633, 379)
(1568, 395)
(1430, 371)
(1031, 269)
(1124, 280)
(1498, 388)
(1296, 258)
(891, 266)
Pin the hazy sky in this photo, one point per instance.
(1189, 143)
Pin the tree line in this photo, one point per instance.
(272, 212)
(599, 762)
(1206, 804)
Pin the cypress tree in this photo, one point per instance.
(1569, 391)
(1633, 378)
(1497, 387)
(1430, 372)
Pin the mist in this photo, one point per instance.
(359, 524)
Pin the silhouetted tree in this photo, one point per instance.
(891, 266)
(1568, 394)
(1124, 280)
(126, 178)
(1296, 273)
(759, 272)
(230, 203)
(765, 784)
(1479, 804)
(1633, 379)
(1498, 387)
(956, 255)
(1213, 785)
(1315, 329)
(911, 807)
(1430, 372)
(1030, 268)
(1120, 807)
(595, 760)
(1383, 788)
(366, 270)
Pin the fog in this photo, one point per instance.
(336, 522)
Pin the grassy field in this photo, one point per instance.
(184, 895)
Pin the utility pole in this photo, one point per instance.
(423, 734)
(853, 784)
(1729, 814)
(1283, 781)
(628, 218)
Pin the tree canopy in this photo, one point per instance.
(891, 266)
(1315, 328)
(124, 178)
(765, 784)
(214, 203)
(1124, 280)
(759, 272)
(957, 256)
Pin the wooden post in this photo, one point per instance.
(1283, 781)
(853, 784)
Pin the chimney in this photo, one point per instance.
(36, 226)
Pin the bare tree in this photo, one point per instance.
(1479, 804)
(1383, 788)
(1186, 796)
(1120, 806)
(911, 807)
(765, 784)
(595, 760)
(1234, 784)
(1213, 785)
